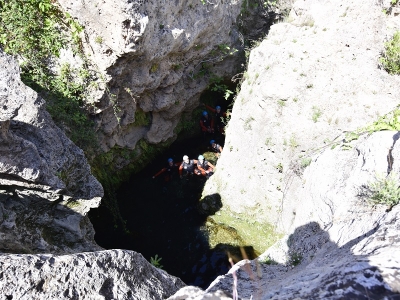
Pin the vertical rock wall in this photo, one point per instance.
(314, 77)
(46, 187)
(150, 54)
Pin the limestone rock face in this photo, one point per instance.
(311, 80)
(33, 149)
(150, 54)
(112, 274)
(46, 187)
(341, 246)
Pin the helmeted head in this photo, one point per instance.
(212, 142)
(205, 114)
(218, 108)
(201, 157)
(170, 161)
(186, 158)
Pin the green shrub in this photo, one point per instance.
(391, 57)
(36, 31)
(155, 261)
(385, 190)
(305, 162)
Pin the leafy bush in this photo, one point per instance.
(305, 162)
(155, 261)
(391, 58)
(35, 31)
(385, 190)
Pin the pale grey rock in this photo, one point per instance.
(33, 220)
(33, 149)
(149, 54)
(367, 266)
(341, 246)
(46, 187)
(111, 274)
(307, 83)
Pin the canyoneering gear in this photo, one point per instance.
(216, 148)
(219, 117)
(187, 166)
(201, 157)
(204, 167)
(206, 123)
(171, 170)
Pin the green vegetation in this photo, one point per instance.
(98, 39)
(155, 261)
(242, 231)
(141, 118)
(305, 162)
(385, 190)
(390, 121)
(295, 258)
(267, 260)
(36, 31)
(391, 57)
(316, 113)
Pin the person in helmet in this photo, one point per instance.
(170, 171)
(187, 166)
(206, 123)
(219, 117)
(216, 148)
(204, 168)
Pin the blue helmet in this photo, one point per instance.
(218, 107)
(170, 160)
(201, 157)
(212, 142)
(205, 113)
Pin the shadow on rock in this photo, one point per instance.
(310, 266)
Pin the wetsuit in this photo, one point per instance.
(216, 149)
(187, 167)
(170, 171)
(219, 125)
(206, 124)
(203, 167)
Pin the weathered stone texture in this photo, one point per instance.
(46, 187)
(150, 53)
(33, 149)
(311, 80)
(111, 274)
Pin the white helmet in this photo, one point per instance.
(185, 158)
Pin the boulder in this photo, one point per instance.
(111, 274)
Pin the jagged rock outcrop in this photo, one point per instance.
(151, 53)
(45, 181)
(342, 246)
(309, 84)
(312, 79)
(112, 274)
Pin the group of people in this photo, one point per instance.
(209, 125)
(199, 166)
(189, 167)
